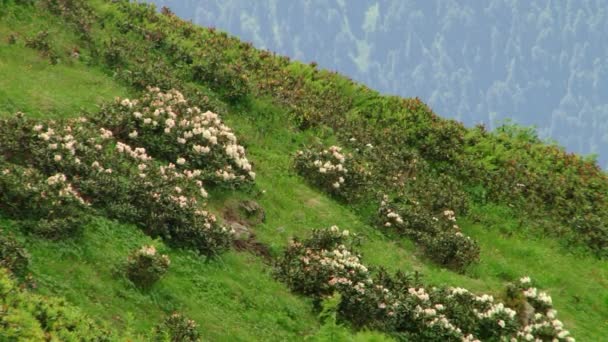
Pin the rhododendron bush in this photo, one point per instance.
(177, 328)
(421, 208)
(52, 206)
(145, 266)
(438, 233)
(130, 171)
(327, 262)
(332, 170)
(171, 130)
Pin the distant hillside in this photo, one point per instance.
(540, 62)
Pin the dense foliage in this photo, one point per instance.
(165, 197)
(177, 328)
(508, 166)
(29, 317)
(145, 266)
(328, 262)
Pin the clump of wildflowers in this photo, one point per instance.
(332, 170)
(327, 263)
(145, 266)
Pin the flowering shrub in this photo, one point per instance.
(451, 249)
(318, 265)
(12, 255)
(333, 171)
(422, 209)
(177, 328)
(541, 322)
(326, 263)
(145, 266)
(123, 181)
(171, 130)
(52, 206)
(438, 233)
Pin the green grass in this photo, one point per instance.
(233, 298)
(31, 84)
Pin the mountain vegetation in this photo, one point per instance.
(165, 181)
(536, 62)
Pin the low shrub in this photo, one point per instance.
(451, 249)
(12, 255)
(436, 232)
(145, 266)
(401, 306)
(47, 206)
(333, 171)
(173, 131)
(177, 328)
(317, 265)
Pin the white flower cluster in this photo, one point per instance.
(329, 165)
(60, 143)
(534, 294)
(449, 215)
(539, 327)
(199, 135)
(138, 153)
(65, 189)
(148, 250)
(391, 215)
(342, 259)
(545, 316)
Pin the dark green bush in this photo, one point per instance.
(12, 255)
(57, 228)
(41, 43)
(227, 78)
(452, 250)
(177, 328)
(145, 266)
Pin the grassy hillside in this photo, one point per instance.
(276, 108)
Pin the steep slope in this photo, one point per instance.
(537, 62)
(235, 297)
